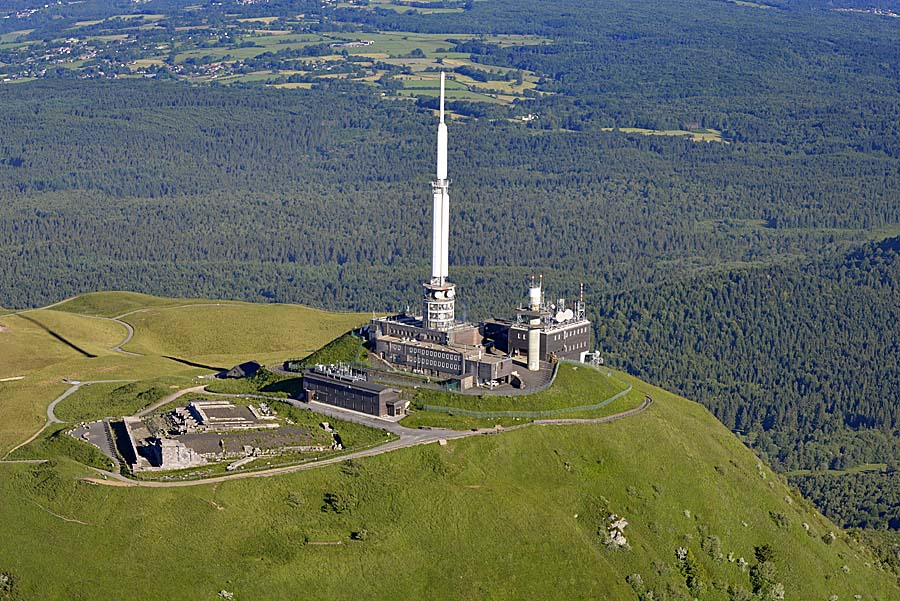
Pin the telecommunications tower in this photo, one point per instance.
(438, 303)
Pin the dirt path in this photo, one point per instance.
(168, 399)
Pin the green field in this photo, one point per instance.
(227, 334)
(516, 515)
(71, 341)
(400, 7)
(699, 135)
(13, 36)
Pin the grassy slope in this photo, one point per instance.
(434, 419)
(26, 346)
(113, 304)
(29, 350)
(228, 334)
(591, 387)
(486, 517)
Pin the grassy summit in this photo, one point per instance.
(518, 515)
(524, 514)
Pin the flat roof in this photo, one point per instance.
(553, 326)
(362, 384)
(466, 351)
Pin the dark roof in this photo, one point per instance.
(244, 370)
(359, 384)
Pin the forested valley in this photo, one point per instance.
(756, 274)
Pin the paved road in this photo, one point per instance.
(118, 348)
(51, 416)
(408, 438)
(168, 399)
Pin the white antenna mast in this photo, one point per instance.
(442, 140)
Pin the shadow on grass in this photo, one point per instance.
(68, 343)
(292, 386)
(194, 364)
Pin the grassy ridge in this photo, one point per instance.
(232, 333)
(457, 421)
(39, 338)
(194, 334)
(504, 517)
(113, 304)
(587, 387)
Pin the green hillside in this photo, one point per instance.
(113, 304)
(517, 515)
(521, 514)
(172, 337)
(233, 332)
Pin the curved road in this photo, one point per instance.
(408, 438)
(51, 416)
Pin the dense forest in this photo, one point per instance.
(799, 359)
(860, 500)
(755, 275)
(322, 198)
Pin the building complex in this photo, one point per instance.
(434, 343)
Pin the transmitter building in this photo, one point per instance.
(543, 331)
(348, 388)
(435, 344)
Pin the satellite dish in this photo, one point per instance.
(568, 314)
(438, 294)
(451, 293)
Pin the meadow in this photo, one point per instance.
(518, 515)
(222, 335)
(174, 338)
(699, 135)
